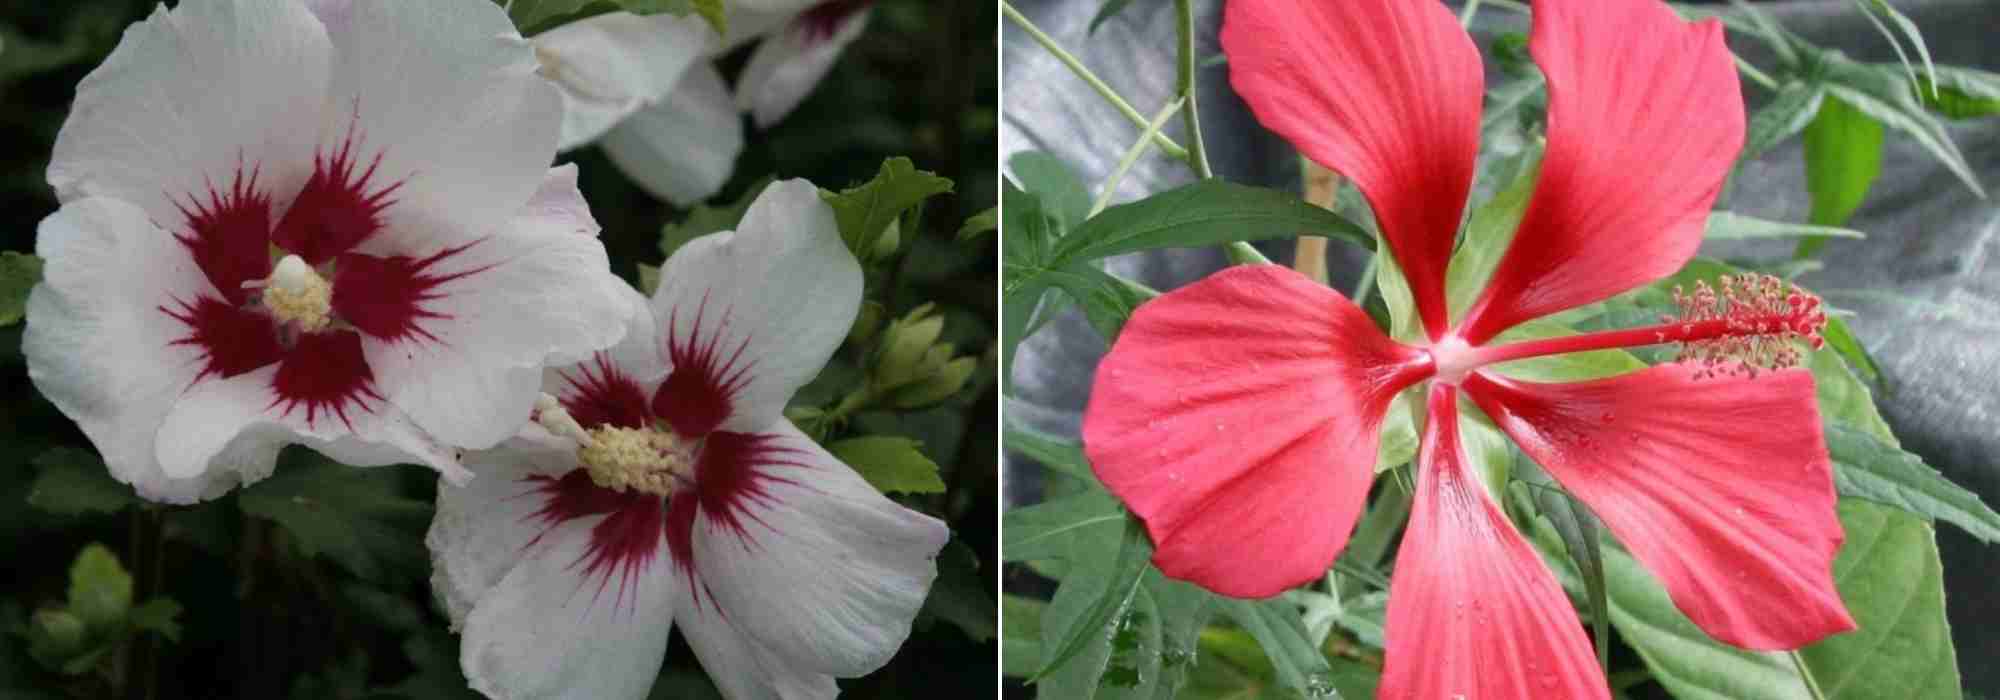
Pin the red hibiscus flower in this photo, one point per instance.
(1239, 417)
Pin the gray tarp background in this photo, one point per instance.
(1936, 333)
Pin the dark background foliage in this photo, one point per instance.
(314, 584)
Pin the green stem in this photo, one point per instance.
(1167, 145)
(1805, 674)
(1132, 156)
(1241, 253)
(1197, 153)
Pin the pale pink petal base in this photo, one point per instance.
(1473, 612)
(1238, 417)
(1720, 486)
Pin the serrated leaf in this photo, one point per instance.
(979, 223)
(890, 464)
(1730, 226)
(1062, 194)
(1107, 301)
(1866, 467)
(866, 210)
(100, 591)
(18, 274)
(1045, 530)
(1104, 593)
(159, 615)
(75, 482)
(705, 219)
(356, 517)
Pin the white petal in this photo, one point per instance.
(542, 292)
(640, 355)
(610, 65)
(683, 149)
(481, 529)
(741, 668)
(782, 287)
(98, 345)
(546, 630)
(787, 66)
(238, 425)
(820, 568)
(446, 93)
(747, 24)
(188, 96)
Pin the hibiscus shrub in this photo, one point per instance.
(1544, 450)
(836, 349)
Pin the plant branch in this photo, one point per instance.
(1197, 153)
(1167, 145)
(1132, 156)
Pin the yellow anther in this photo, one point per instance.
(648, 460)
(296, 293)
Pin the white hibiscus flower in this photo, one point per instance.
(330, 223)
(662, 487)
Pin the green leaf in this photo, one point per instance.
(100, 591)
(866, 210)
(18, 275)
(356, 517)
(1788, 112)
(1881, 93)
(1020, 635)
(1887, 573)
(649, 279)
(1578, 528)
(536, 16)
(960, 595)
(75, 482)
(1061, 455)
(1109, 9)
(1487, 234)
(1209, 212)
(1233, 667)
(704, 220)
(1960, 93)
(979, 223)
(1277, 627)
(1729, 226)
(1046, 530)
(1062, 194)
(890, 464)
(1108, 592)
(1107, 300)
(160, 615)
(1867, 467)
(1843, 148)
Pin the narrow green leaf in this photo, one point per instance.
(1210, 212)
(1107, 300)
(1045, 530)
(1061, 455)
(1728, 226)
(866, 210)
(1069, 636)
(1866, 467)
(1788, 112)
(1880, 93)
(1276, 626)
(1487, 234)
(18, 274)
(1020, 635)
(890, 464)
(1961, 93)
(75, 482)
(1062, 193)
(1109, 9)
(1579, 530)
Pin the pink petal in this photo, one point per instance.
(1473, 613)
(1720, 486)
(1238, 417)
(1386, 93)
(1645, 119)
